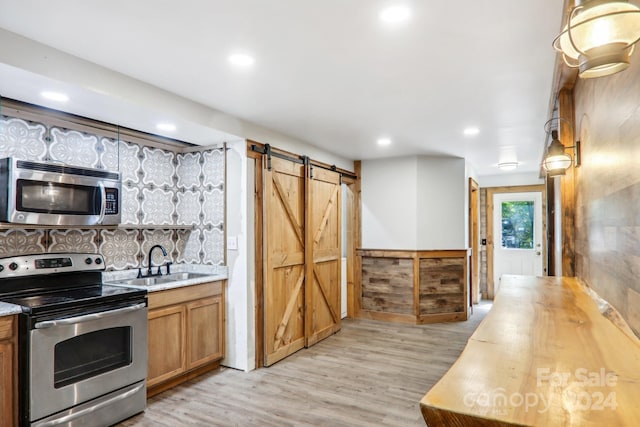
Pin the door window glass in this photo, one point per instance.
(91, 354)
(517, 224)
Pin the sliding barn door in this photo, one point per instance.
(284, 259)
(323, 249)
(301, 258)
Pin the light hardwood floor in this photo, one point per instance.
(371, 373)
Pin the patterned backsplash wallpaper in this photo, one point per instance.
(159, 187)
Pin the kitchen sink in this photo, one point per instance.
(156, 280)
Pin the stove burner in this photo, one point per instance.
(38, 300)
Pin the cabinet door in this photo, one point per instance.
(205, 331)
(8, 375)
(6, 383)
(167, 343)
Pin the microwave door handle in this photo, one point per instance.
(87, 317)
(103, 207)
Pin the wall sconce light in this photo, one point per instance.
(556, 162)
(599, 36)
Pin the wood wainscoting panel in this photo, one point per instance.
(387, 285)
(442, 282)
(414, 286)
(442, 303)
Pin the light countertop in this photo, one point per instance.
(207, 273)
(7, 309)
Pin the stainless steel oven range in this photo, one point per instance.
(82, 350)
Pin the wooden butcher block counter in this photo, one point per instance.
(544, 356)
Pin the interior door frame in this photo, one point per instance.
(489, 219)
(353, 182)
(258, 257)
(354, 241)
(474, 242)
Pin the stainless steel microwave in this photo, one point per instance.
(57, 194)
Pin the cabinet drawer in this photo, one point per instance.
(184, 294)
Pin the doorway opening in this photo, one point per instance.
(474, 243)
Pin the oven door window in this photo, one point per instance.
(91, 354)
(57, 198)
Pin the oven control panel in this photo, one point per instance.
(27, 265)
(53, 262)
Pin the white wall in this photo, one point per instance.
(441, 195)
(389, 203)
(240, 291)
(508, 179)
(414, 203)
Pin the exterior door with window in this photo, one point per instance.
(517, 223)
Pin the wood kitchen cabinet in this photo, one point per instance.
(186, 334)
(204, 343)
(167, 350)
(8, 381)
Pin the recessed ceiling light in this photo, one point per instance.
(471, 131)
(55, 96)
(508, 166)
(167, 127)
(241, 60)
(395, 14)
(384, 142)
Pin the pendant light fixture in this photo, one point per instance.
(599, 36)
(557, 161)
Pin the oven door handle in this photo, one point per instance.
(103, 207)
(90, 409)
(87, 317)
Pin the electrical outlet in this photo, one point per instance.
(232, 243)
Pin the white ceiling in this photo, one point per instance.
(327, 72)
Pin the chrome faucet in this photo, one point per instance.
(164, 252)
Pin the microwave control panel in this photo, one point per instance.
(111, 203)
